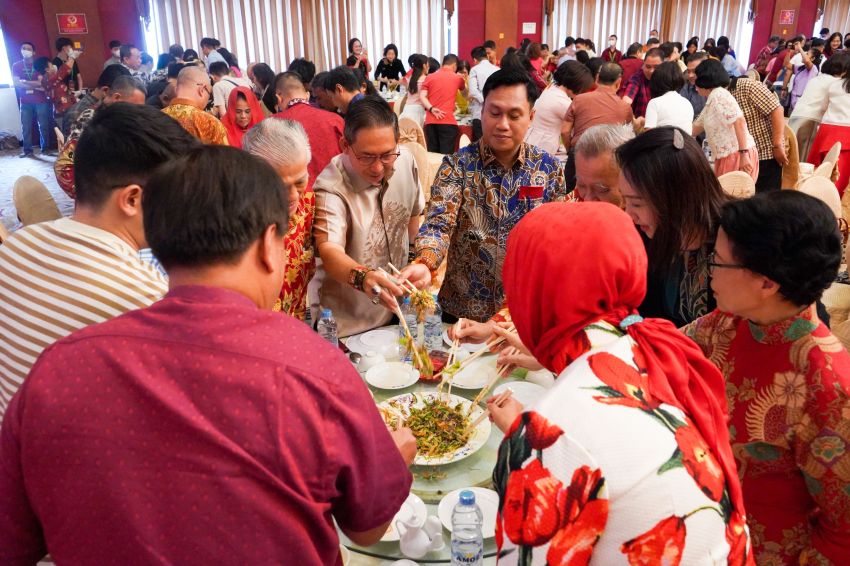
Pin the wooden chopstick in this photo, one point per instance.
(405, 280)
(411, 288)
(504, 371)
(413, 347)
(500, 398)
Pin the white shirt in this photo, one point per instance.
(718, 118)
(221, 89)
(671, 109)
(214, 57)
(838, 111)
(812, 104)
(478, 76)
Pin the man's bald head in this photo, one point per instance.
(193, 83)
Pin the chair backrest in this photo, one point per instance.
(4, 233)
(791, 172)
(824, 170)
(737, 184)
(833, 153)
(823, 189)
(397, 107)
(435, 160)
(753, 74)
(420, 155)
(60, 139)
(33, 201)
(464, 141)
(410, 131)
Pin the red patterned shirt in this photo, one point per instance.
(788, 386)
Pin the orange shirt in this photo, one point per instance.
(203, 126)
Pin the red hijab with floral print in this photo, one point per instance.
(569, 265)
(234, 132)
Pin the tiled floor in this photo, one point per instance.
(40, 167)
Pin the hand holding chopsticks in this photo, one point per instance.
(498, 401)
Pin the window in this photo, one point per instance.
(5, 69)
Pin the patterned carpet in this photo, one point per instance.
(40, 167)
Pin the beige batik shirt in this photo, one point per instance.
(370, 222)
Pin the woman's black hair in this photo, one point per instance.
(789, 237)
(667, 76)
(679, 186)
(190, 55)
(417, 63)
(828, 47)
(40, 64)
(711, 74)
(574, 76)
(708, 43)
(229, 57)
(593, 65)
(351, 44)
(304, 68)
(210, 206)
(263, 74)
(582, 57)
(433, 65)
(164, 60)
(391, 47)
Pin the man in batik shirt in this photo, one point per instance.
(193, 94)
(787, 376)
(480, 193)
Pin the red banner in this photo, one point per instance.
(72, 24)
(786, 17)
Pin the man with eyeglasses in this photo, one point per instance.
(193, 93)
(368, 204)
(597, 170)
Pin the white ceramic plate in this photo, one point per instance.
(478, 438)
(487, 500)
(392, 375)
(469, 347)
(524, 392)
(381, 340)
(413, 506)
(477, 374)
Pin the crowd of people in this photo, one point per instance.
(158, 386)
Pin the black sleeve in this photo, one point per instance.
(379, 69)
(400, 69)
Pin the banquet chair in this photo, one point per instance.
(791, 172)
(833, 153)
(464, 141)
(60, 139)
(397, 108)
(33, 201)
(410, 131)
(824, 169)
(737, 184)
(420, 155)
(823, 189)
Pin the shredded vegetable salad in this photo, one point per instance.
(439, 427)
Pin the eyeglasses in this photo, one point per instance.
(207, 87)
(712, 265)
(386, 158)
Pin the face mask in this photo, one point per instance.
(26, 53)
(612, 42)
(116, 52)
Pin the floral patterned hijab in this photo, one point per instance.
(569, 265)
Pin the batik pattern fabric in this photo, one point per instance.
(57, 90)
(787, 388)
(599, 469)
(475, 202)
(683, 294)
(203, 126)
(64, 165)
(300, 259)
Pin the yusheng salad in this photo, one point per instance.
(421, 359)
(423, 302)
(439, 427)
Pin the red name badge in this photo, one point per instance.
(527, 191)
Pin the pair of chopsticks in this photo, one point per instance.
(498, 401)
(503, 371)
(399, 416)
(479, 353)
(410, 288)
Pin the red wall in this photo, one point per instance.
(470, 26)
(529, 11)
(23, 20)
(806, 18)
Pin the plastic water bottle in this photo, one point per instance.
(327, 327)
(434, 327)
(409, 314)
(467, 541)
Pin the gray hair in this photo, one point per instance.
(279, 142)
(604, 138)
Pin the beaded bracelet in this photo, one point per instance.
(357, 276)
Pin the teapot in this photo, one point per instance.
(418, 537)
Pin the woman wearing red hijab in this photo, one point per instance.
(243, 113)
(627, 458)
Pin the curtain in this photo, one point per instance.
(629, 20)
(277, 31)
(836, 16)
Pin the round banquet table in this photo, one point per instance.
(431, 483)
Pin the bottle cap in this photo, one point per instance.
(467, 497)
(406, 300)
(327, 313)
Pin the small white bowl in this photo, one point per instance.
(369, 360)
